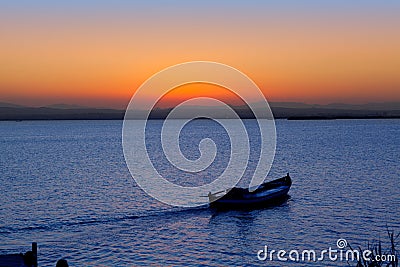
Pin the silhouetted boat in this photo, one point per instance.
(268, 193)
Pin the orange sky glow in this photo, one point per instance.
(99, 57)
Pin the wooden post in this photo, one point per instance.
(34, 251)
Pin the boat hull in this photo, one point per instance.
(272, 193)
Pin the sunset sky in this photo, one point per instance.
(96, 54)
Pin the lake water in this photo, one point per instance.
(65, 185)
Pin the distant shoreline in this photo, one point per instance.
(160, 119)
(289, 111)
(342, 118)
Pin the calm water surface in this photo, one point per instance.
(65, 185)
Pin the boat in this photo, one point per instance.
(269, 193)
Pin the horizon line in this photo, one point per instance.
(66, 105)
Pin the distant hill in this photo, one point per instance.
(289, 105)
(368, 106)
(66, 106)
(46, 113)
(9, 105)
(281, 110)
